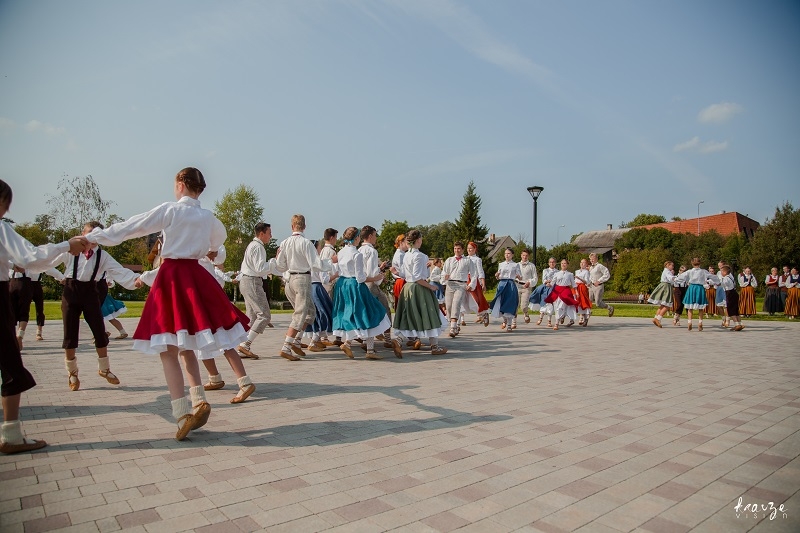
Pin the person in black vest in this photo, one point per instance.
(81, 296)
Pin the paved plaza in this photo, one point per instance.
(616, 427)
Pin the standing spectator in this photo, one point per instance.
(747, 296)
(782, 285)
(792, 308)
(772, 298)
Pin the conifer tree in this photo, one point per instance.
(468, 228)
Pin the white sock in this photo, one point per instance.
(21, 334)
(370, 344)
(251, 336)
(244, 381)
(11, 432)
(103, 364)
(181, 407)
(122, 331)
(215, 379)
(198, 395)
(72, 366)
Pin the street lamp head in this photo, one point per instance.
(535, 191)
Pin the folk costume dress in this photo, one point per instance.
(564, 304)
(696, 278)
(478, 304)
(747, 294)
(399, 281)
(323, 320)
(582, 293)
(506, 298)
(357, 314)
(186, 307)
(418, 313)
(662, 294)
(772, 298)
(538, 299)
(792, 309)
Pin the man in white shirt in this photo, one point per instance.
(598, 275)
(80, 297)
(375, 272)
(455, 273)
(254, 269)
(297, 256)
(529, 280)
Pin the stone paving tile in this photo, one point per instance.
(538, 432)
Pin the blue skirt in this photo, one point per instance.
(538, 296)
(323, 321)
(357, 314)
(695, 297)
(506, 300)
(112, 308)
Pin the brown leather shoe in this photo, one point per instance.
(110, 377)
(73, 381)
(244, 393)
(316, 347)
(657, 322)
(245, 352)
(417, 344)
(27, 445)
(347, 350)
(287, 355)
(397, 349)
(212, 385)
(297, 350)
(373, 356)
(527, 319)
(439, 350)
(201, 413)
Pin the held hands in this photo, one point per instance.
(138, 283)
(335, 259)
(78, 244)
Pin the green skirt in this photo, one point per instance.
(418, 313)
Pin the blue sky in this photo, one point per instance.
(353, 112)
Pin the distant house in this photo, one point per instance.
(600, 242)
(498, 245)
(724, 223)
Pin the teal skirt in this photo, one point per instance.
(357, 314)
(418, 313)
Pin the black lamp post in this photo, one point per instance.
(535, 192)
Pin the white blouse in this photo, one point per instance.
(745, 280)
(351, 263)
(478, 265)
(397, 263)
(14, 248)
(415, 266)
(459, 270)
(564, 278)
(371, 262)
(667, 276)
(697, 276)
(727, 283)
(509, 270)
(189, 231)
(297, 254)
(582, 276)
(547, 275)
(436, 275)
(118, 273)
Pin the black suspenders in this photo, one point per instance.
(94, 272)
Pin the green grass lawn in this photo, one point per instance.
(52, 310)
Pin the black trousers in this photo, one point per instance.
(81, 297)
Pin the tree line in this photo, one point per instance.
(641, 253)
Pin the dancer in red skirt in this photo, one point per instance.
(479, 303)
(186, 309)
(582, 293)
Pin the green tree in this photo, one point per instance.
(388, 232)
(777, 242)
(33, 232)
(643, 219)
(468, 228)
(638, 271)
(239, 210)
(77, 201)
(438, 239)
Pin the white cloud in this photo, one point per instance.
(718, 113)
(44, 127)
(695, 145)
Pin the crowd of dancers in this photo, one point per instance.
(336, 298)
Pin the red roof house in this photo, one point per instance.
(725, 224)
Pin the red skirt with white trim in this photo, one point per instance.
(564, 293)
(187, 308)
